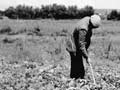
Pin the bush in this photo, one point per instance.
(6, 30)
(113, 15)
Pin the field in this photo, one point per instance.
(33, 56)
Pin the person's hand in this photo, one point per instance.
(88, 60)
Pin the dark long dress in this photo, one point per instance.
(77, 65)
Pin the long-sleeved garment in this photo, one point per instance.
(81, 37)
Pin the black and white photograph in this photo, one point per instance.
(59, 45)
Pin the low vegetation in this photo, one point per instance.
(33, 56)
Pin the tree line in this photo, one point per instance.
(47, 11)
(113, 15)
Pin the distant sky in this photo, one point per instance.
(99, 4)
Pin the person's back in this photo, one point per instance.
(83, 23)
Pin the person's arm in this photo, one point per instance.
(82, 43)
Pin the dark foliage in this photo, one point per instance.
(113, 15)
(49, 11)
